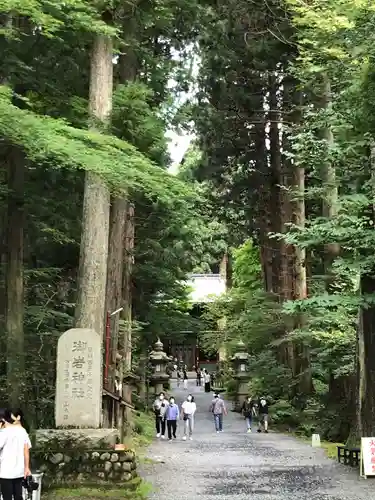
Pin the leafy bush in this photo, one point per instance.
(283, 413)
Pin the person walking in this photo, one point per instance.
(160, 409)
(172, 415)
(199, 377)
(263, 415)
(185, 375)
(207, 381)
(14, 456)
(248, 410)
(218, 409)
(188, 410)
(178, 378)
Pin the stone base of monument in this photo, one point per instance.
(82, 457)
(77, 438)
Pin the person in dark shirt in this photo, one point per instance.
(248, 410)
(263, 414)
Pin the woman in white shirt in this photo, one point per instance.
(14, 456)
(188, 410)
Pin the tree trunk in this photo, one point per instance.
(127, 286)
(115, 269)
(277, 217)
(330, 198)
(90, 308)
(366, 342)
(14, 278)
(298, 352)
(263, 202)
(127, 311)
(366, 355)
(302, 352)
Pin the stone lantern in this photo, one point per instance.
(159, 362)
(241, 374)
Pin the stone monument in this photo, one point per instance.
(78, 401)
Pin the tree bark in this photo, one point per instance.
(277, 217)
(366, 343)
(302, 352)
(366, 358)
(14, 277)
(115, 268)
(127, 311)
(330, 198)
(127, 286)
(90, 308)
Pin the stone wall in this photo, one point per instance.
(87, 467)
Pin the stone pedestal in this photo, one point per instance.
(242, 377)
(242, 391)
(76, 438)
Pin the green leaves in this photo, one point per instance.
(49, 16)
(47, 141)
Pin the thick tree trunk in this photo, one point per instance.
(366, 341)
(366, 357)
(90, 308)
(14, 283)
(296, 257)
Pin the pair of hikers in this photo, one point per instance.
(167, 414)
(251, 409)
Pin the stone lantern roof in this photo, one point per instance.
(158, 355)
(241, 354)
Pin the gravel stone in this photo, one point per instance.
(234, 464)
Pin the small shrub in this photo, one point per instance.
(283, 413)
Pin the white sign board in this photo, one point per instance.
(367, 456)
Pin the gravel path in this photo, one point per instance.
(236, 465)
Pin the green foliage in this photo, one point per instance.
(134, 120)
(49, 141)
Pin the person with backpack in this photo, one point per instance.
(218, 409)
(248, 410)
(14, 456)
(263, 414)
